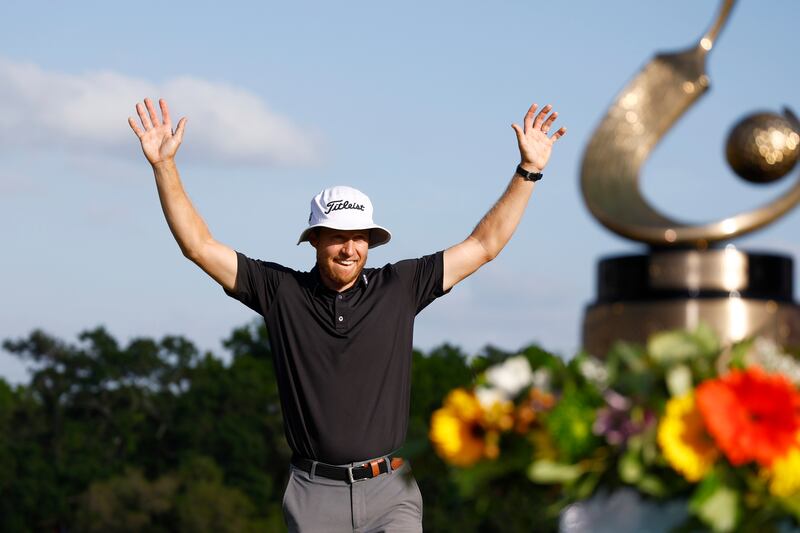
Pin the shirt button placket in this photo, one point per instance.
(338, 312)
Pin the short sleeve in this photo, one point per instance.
(257, 282)
(424, 277)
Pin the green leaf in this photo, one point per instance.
(585, 487)
(630, 468)
(739, 351)
(679, 380)
(570, 424)
(628, 354)
(792, 505)
(716, 504)
(652, 485)
(550, 472)
(673, 347)
(706, 339)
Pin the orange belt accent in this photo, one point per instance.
(375, 468)
(397, 462)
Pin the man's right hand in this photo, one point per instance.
(159, 142)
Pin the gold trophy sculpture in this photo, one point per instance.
(689, 275)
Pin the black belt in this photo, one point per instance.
(348, 473)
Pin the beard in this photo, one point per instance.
(336, 273)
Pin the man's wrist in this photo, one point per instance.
(527, 175)
(529, 167)
(164, 163)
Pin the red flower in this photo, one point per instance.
(753, 416)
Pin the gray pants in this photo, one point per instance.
(387, 503)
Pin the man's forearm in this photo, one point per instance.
(496, 227)
(188, 228)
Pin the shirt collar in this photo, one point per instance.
(317, 283)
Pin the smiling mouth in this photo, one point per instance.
(346, 263)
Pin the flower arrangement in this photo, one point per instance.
(682, 417)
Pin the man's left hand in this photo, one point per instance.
(534, 144)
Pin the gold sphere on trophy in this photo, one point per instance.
(763, 147)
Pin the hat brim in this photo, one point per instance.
(377, 235)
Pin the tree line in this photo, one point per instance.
(156, 436)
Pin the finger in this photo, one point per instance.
(143, 117)
(164, 112)
(151, 109)
(540, 117)
(549, 122)
(528, 122)
(179, 130)
(518, 131)
(135, 127)
(560, 133)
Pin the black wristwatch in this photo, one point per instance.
(528, 176)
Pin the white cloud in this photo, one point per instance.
(88, 112)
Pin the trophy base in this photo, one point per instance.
(737, 294)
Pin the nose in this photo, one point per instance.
(348, 247)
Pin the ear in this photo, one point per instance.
(313, 237)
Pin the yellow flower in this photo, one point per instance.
(785, 474)
(498, 412)
(683, 438)
(456, 431)
(464, 404)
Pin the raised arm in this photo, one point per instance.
(159, 144)
(496, 227)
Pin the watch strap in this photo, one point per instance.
(528, 176)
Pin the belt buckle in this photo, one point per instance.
(350, 474)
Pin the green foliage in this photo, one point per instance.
(127, 503)
(716, 504)
(154, 436)
(101, 412)
(570, 424)
(194, 499)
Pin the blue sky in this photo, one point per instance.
(411, 102)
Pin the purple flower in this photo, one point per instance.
(619, 420)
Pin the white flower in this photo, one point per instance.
(769, 356)
(594, 371)
(488, 396)
(511, 376)
(541, 379)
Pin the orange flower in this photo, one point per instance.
(528, 411)
(753, 416)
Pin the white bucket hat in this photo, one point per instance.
(344, 208)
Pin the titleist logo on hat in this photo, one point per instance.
(336, 205)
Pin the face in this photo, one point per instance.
(341, 254)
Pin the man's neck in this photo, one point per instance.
(333, 285)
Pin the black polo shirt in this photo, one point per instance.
(342, 360)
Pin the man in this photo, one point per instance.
(341, 334)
